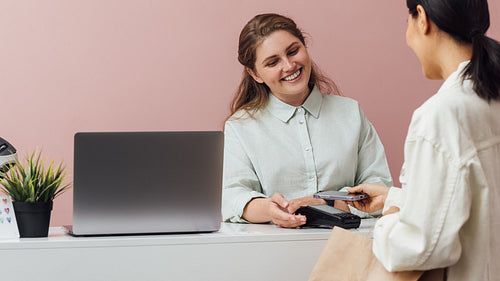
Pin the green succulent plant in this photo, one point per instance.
(34, 181)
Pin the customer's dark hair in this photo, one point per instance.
(467, 21)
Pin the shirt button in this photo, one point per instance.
(307, 149)
(299, 110)
(301, 121)
(311, 178)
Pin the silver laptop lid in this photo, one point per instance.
(147, 182)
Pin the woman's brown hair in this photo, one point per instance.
(250, 95)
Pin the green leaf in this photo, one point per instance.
(34, 181)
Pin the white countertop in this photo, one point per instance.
(236, 252)
(228, 233)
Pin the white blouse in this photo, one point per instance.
(452, 167)
(325, 144)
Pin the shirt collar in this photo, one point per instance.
(455, 77)
(313, 102)
(285, 112)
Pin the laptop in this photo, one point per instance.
(147, 182)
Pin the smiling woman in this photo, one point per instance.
(283, 64)
(288, 136)
(258, 38)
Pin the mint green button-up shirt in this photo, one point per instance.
(325, 144)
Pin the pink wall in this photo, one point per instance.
(68, 66)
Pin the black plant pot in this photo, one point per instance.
(33, 219)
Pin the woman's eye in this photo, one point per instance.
(272, 63)
(293, 52)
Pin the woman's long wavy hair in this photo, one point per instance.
(250, 95)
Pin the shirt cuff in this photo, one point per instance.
(242, 201)
(394, 198)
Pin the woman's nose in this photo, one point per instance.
(288, 65)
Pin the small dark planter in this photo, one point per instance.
(33, 219)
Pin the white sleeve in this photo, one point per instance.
(395, 198)
(434, 205)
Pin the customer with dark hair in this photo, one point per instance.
(447, 212)
(288, 136)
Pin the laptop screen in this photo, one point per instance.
(147, 182)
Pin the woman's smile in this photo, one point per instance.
(294, 76)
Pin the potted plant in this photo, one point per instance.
(33, 185)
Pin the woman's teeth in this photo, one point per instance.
(293, 76)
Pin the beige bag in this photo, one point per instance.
(348, 256)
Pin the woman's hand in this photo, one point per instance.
(279, 209)
(342, 205)
(275, 209)
(295, 204)
(391, 210)
(377, 194)
(280, 214)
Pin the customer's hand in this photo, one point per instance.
(342, 205)
(391, 210)
(295, 204)
(377, 194)
(280, 215)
